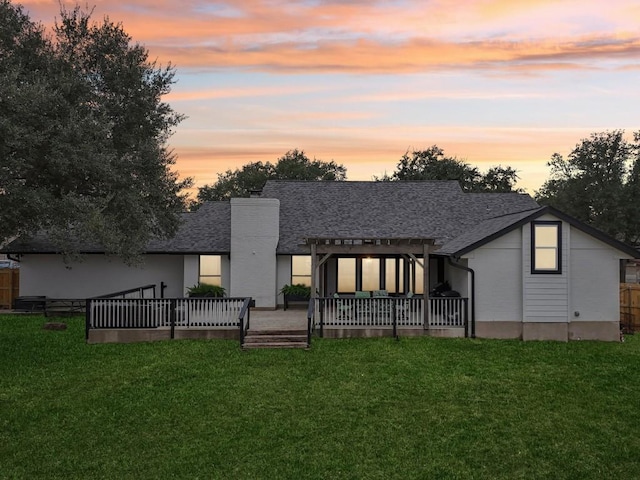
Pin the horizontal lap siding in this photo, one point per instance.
(545, 296)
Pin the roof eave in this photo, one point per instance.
(603, 237)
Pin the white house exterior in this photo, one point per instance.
(529, 272)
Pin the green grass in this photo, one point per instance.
(362, 408)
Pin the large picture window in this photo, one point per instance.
(546, 247)
(211, 269)
(301, 270)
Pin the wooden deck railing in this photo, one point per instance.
(117, 313)
(147, 291)
(393, 312)
(448, 312)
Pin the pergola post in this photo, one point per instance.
(425, 285)
(314, 266)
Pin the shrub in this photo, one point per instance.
(206, 290)
(297, 290)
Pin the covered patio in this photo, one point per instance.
(380, 286)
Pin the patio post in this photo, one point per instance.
(425, 285)
(314, 267)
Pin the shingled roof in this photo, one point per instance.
(206, 231)
(437, 210)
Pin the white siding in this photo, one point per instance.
(546, 296)
(595, 290)
(98, 275)
(191, 272)
(498, 267)
(284, 275)
(458, 278)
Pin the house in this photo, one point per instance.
(519, 270)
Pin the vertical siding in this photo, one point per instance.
(545, 296)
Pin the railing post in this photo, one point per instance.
(241, 325)
(322, 317)
(311, 308)
(172, 316)
(395, 327)
(466, 317)
(87, 316)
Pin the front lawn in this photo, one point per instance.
(362, 408)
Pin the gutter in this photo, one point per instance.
(473, 293)
(15, 259)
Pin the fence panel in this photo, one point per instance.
(630, 307)
(9, 286)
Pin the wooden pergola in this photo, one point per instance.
(323, 248)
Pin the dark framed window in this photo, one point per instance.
(546, 247)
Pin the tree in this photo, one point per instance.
(432, 164)
(598, 183)
(293, 165)
(83, 132)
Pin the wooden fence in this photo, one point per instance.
(9, 286)
(630, 307)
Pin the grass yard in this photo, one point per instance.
(362, 408)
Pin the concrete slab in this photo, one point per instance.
(291, 319)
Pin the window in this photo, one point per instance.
(394, 275)
(346, 275)
(416, 278)
(301, 270)
(211, 269)
(370, 274)
(546, 247)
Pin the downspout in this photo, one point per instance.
(473, 293)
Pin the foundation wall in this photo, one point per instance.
(605, 331)
(134, 335)
(372, 332)
(545, 331)
(501, 330)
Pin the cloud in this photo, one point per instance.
(417, 55)
(376, 36)
(217, 93)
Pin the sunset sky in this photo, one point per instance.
(360, 82)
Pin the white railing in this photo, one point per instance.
(208, 312)
(350, 312)
(448, 312)
(162, 312)
(148, 291)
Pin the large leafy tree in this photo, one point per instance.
(433, 164)
(293, 165)
(598, 183)
(83, 136)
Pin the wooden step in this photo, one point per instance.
(275, 339)
(276, 345)
(277, 332)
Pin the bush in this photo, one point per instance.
(206, 290)
(297, 290)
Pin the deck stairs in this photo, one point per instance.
(272, 338)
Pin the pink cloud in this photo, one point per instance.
(375, 37)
